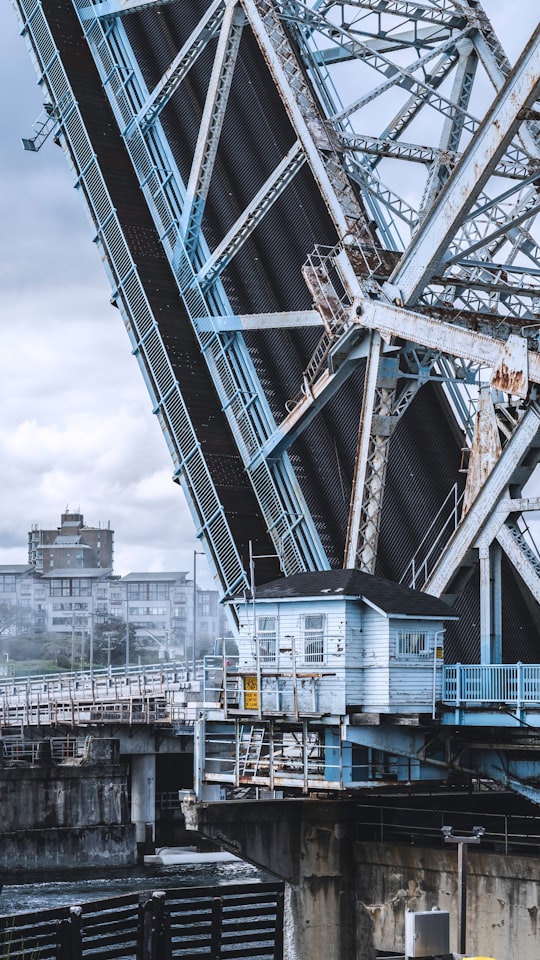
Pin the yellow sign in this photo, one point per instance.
(251, 693)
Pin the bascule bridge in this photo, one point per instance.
(320, 225)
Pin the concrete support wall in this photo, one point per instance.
(58, 816)
(346, 900)
(310, 845)
(503, 897)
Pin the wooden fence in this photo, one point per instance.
(232, 922)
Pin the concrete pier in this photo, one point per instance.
(58, 815)
(307, 843)
(143, 800)
(347, 899)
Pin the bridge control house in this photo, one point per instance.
(340, 642)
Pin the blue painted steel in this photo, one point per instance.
(141, 326)
(497, 695)
(288, 520)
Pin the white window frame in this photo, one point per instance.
(413, 643)
(314, 624)
(267, 637)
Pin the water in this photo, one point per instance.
(68, 888)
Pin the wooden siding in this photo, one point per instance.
(361, 666)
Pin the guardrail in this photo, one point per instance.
(417, 825)
(150, 694)
(236, 921)
(514, 683)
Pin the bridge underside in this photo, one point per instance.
(277, 294)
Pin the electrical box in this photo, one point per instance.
(427, 933)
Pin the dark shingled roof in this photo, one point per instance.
(387, 596)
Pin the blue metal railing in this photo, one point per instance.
(514, 683)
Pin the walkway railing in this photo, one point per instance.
(421, 824)
(164, 693)
(513, 683)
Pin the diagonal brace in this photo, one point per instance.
(470, 175)
(211, 123)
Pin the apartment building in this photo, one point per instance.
(72, 545)
(165, 610)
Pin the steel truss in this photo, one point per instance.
(428, 272)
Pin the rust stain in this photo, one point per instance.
(510, 381)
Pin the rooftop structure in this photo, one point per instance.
(73, 545)
(336, 642)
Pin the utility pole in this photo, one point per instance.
(196, 553)
(462, 844)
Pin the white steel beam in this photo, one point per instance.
(252, 215)
(212, 122)
(518, 559)
(232, 323)
(451, 16)
(477, 163)
(306, 120)
(453, 126)
(486, 506)
(456, 341)
(362, 450)
(424, 37)
(205, 30)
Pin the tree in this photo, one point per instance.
(14, 618)
(110, 642)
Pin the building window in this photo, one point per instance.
(148, 591)
(412, 643)
(314, 638)
(266, 632)
(147, 611)
(65, 587)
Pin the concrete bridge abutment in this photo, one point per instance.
(310, 845)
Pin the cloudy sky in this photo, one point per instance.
(76, 428)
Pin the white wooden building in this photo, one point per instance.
(337, 642)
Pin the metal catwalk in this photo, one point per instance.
(319, 220)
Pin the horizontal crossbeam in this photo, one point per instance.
(449, 338)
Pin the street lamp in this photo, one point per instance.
(127, 627)
(462, 843)
(196, 553)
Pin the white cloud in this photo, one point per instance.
(76, 426)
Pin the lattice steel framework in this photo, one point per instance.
(308, 211)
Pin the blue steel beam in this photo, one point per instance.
(285, 513)
(119, 8)
(128, 292)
